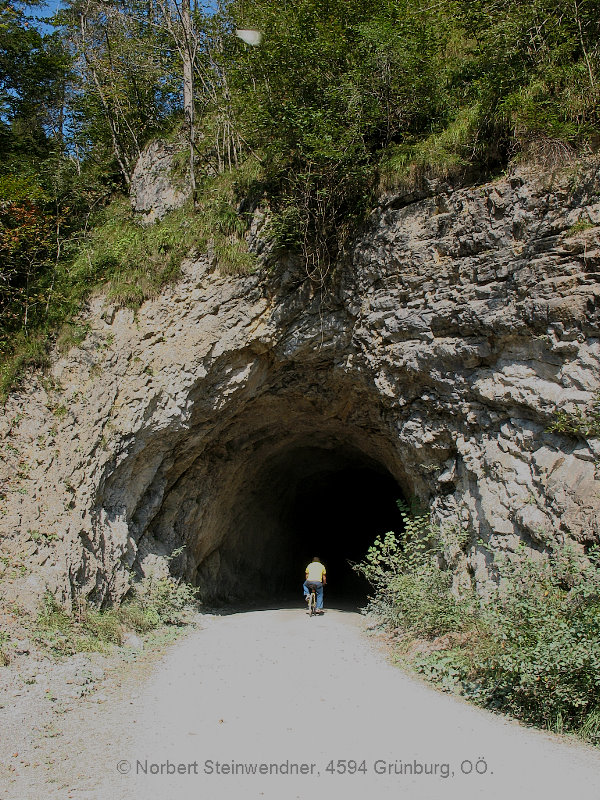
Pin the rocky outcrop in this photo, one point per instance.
(464, 321)
(155, 188)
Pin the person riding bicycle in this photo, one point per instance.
(315, 579)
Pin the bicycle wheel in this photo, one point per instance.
(312, 603)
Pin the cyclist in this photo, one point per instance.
(315, 579)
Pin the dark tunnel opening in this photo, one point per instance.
(305, 501)
(336, 515)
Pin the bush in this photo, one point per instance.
(530, 648)
(154, 602)
(542, 658)
(412, 590)
(165, 600)
(581, 423)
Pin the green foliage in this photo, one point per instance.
(71, 335)
(59, 632)
(124, 82)
(338, 89)
(541, 660)
(342, 98)
(27, 351)
(441, 154)
(533, 68)
(580, 226)
(412, 590)
(234, 259)
(133, 261)
(165, 600)
(445, 667)
(136, 261)
(26, 247)
(130, 262)
(330, 86)
(530, 648)
(584, 424)
(154, 602)
(33, 71)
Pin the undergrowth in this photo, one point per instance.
(138, 260)
(154, 602)
(442, 154)
(130, 263)
(530, 647)
(581, 423)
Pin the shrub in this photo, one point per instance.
(584, 424)
(412, 590)
(531, 647)
(542, 662)
(165, 600)
(154, 602)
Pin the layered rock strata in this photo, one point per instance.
(465, 319)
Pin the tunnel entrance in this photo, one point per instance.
(248, 497)
(327, 501)
(336, 515)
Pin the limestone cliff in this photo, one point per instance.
(464, 319)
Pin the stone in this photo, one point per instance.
(133, 641)
(459, 326)
(154, 188)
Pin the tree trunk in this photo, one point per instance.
(188, 88)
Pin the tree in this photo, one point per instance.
(33, 70)
(177, 19)
(124, 87)
(26, 244)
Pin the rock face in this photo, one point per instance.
(463, 322)
(154, 190)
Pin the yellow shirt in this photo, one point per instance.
(315, 571)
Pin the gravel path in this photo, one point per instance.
(293, 694)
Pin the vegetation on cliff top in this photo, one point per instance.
(341, 99)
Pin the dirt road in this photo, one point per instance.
(272, 704)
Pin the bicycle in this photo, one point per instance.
(312, 602)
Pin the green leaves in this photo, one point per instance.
(530, 647)
(342, 99)
(545, 625)
(536, 65)
(541, 653)
(412, 590)
(580, 423)
(33, 70)
(27, 244)
(337, 91)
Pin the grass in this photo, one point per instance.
(580, 226)
(131, 263)
(71, 335)
(28, 351)
(154, 603)
(439, 155)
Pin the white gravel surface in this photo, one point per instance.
(282, 692)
